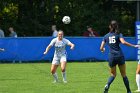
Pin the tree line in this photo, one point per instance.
(35, 17)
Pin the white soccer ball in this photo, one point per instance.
(66, 20)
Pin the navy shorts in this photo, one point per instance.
(113, 61)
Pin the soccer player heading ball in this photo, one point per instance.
(116, 57)
(59, 55)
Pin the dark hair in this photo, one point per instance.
(114, 27)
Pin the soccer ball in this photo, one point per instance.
(66, 20)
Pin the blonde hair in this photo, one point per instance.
(60, 31)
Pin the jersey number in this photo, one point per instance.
(112, 40)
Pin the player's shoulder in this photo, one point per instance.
(107, 35)
(54, 39)
(120, 35)
(64, 39)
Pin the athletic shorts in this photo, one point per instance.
(57, 59)
(113, 61)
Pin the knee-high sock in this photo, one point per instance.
(138, 81)
(110, 80)
(64, 76)
(55, 76)
(126, 82)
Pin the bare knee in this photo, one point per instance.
(63, 66)
(63, 69)
(123, 74)
(123, 70)
(53, 71)
(113, 71)
(53, 68)
(113, 74)
(138, 71)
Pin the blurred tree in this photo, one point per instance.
(35, 17)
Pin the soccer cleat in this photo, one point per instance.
(55, 81)
(65, 81)
(106, 89)
(137, 91)
(129, 92)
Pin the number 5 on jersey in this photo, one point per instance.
(112, 40)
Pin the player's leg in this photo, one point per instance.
(110, 79)
(53, 71)
(125, 79)
(63, 68)
(138, 76)
(54, 66)
(122, 68)
(112, 65)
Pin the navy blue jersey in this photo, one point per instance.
(113, 41)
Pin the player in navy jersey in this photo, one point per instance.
(116, 57)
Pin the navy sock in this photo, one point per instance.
(110, 80)
(126, 82)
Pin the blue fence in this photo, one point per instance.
(32, 48)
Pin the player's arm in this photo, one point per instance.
(47, 49)
(71, 45)
(49, 46)
(102, 46)
(128, 44)
(2, 49)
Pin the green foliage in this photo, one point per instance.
(35, 17)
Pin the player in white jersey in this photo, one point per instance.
(138, 77)
(60, 55)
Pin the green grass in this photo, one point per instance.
(82, 78)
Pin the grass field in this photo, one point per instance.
(82, 78)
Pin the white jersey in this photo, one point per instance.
(59, 46)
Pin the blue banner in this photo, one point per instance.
(32, 48)
(137, 28)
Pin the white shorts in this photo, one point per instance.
(57, 59)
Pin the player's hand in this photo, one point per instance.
(103, 50)
(45, 53)
(137, 46)
(2, 49)
(71, 48)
